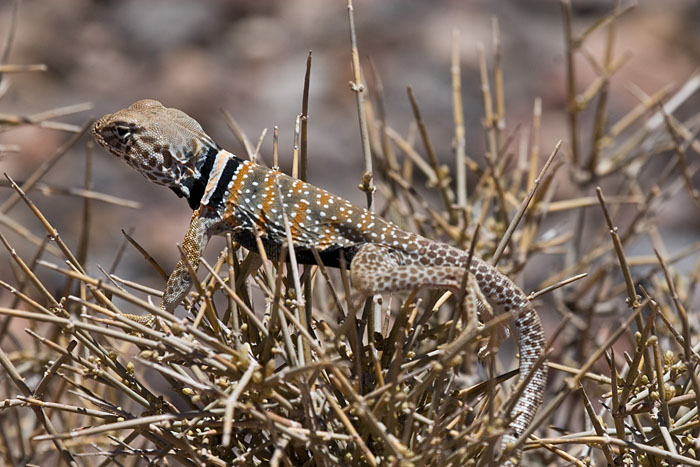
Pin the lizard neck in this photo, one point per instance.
(192, 188)
(208, 185)
(221, 177)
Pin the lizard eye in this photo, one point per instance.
(123, 133)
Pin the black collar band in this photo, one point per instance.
(196, 186)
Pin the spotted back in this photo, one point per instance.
(256, 195)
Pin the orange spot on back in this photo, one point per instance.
(269, 193)
(237, 188)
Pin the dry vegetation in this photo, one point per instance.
(285, 365)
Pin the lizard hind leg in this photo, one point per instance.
(377, 269)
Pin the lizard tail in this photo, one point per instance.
(508, 297)
(530, 338)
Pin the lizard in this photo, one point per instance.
(229, 194)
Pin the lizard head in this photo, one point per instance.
(165, 145)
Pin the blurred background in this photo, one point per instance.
(249, 57)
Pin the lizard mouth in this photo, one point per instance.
(98, 134)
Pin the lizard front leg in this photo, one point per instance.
(179, 282)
